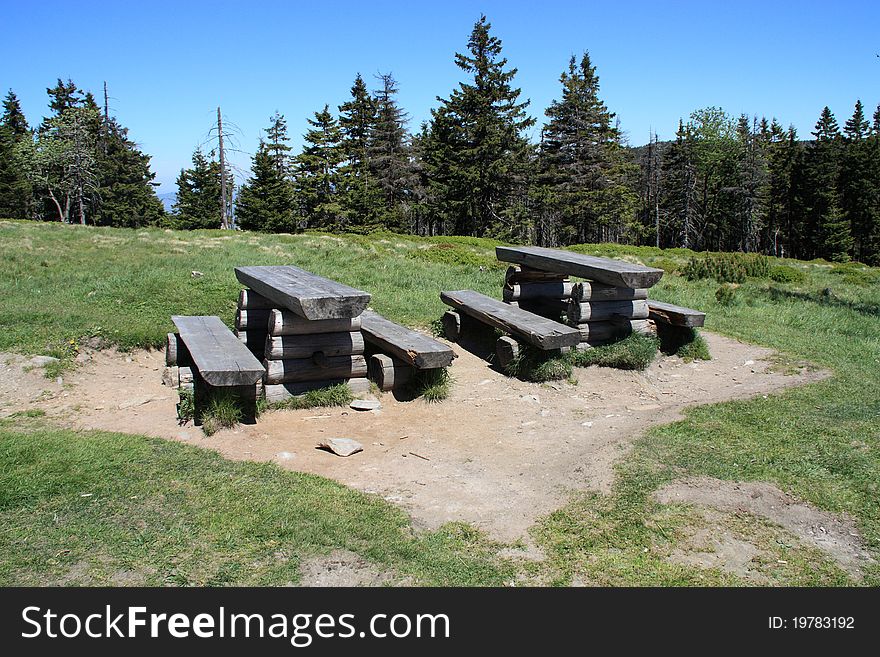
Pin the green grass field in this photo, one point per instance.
(172, 514)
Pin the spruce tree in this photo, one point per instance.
(478, 151)
(316, 173)
(390, 158)
(358, 194)
(752, 185)
(830, 230)
(678, 197)
(15, 189)
(859, 192)
(784, 151)
(583, 163)
(198, 194)
(265, 201)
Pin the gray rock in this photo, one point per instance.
(365, 404)
(42, 361)
(342, 446)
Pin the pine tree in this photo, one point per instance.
(65, 96)
(317, 173)
(198, 194)
(265, 201)
(15, 189)
(678, 198)
(478, 151)
(784, 154)
(752, 187)
(127, 195)
(584, 164)
(390, 158)
(829, 227)
(859, 191)
(358, 194)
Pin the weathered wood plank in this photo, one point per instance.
(451, 325)
(588, 291)
(526, 291)
(286, 347)
(408, 345)
(541, 332)
(308, 295)
(284, 391)
(250, 320)
(220, 358)
(516, 274)
(175, 351)
(506, 351)
(285, 322)
(606, 330)
(389, 373)
(603, 270)
(250, 300)
(675, 315)
(578, 313)
(306, 369)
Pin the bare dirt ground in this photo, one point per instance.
(499, 453)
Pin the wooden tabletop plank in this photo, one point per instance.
(308, 295)
(605, 270)
(406, 344)
(541, 332)
(675, 315)
(220, 357)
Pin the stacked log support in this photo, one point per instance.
(251, 320)
(540, 292)
(602, 312)
(389, 373)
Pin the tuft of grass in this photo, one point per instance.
(186, 405)
(725, 295)
(224, 410)
(433, 385)
(338, 395)
(538, 366)
(786, 274)
(681, 341)
(634, 352)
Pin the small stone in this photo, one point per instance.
(749, 362)
(42, 361)
(342, 446)
(196, 274)
(586, 424)
(285, 456)
(365, 405)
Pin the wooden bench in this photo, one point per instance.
(666, 313)
(308, 295)
(403, 351)
(219, 360)
(543, 333)
(604, 270)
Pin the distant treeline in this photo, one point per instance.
(723, 184)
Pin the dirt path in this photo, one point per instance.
(499, 453)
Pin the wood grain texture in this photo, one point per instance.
(675, 315)
(306, 369)
(308, 295)
(220, 358)
(252, 320)
(604, 270)
(539, 331)
(285, 322)
(286, 347)
(411, 347)
(250, 300)
(526, 291)
(389, 373)
(587, 291)
(591, 311)
(506, 351)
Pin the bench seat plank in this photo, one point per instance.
(534, 329)
(308, 295)
(408, 345)
(220, 358)
(667, 313)
(605, 270)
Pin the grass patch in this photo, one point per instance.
(433, 385)
(682, 341)
(338, 395)
(537, 365)
(223, 411)
(186, 405)
(694, 349)
(95, 508)
(634, 352)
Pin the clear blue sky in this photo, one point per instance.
(170, 64)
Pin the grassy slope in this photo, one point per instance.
(820, 442)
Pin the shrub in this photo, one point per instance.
(725, 295)
(728, 267)
(786, 274)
